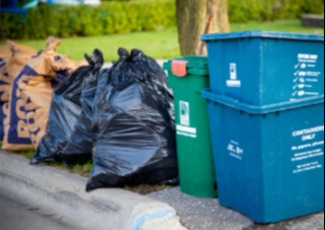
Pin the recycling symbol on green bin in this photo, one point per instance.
(184, 110)
(184, 113)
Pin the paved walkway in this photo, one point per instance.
(207, 214)
(19, 215)
(40, 191)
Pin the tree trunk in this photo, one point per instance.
(222, 16)
(197, 17)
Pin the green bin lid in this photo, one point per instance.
(190, 65)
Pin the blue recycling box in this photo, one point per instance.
(261, 68)
(269, 159)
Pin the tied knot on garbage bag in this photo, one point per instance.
(68, 137)
(136, 65)
(96, 60)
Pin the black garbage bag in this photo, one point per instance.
(81, 140)
(135, 131)
(67, 136)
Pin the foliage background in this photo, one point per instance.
(118, 17)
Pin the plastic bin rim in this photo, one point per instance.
(262, 34)
(201, 71)
(252, 109)
(195, 62)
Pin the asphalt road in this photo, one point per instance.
(207, 214)
(17, 215)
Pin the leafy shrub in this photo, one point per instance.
(125, 16)
(108, 18)
(266, 10)
(244, 10)
(295, 8)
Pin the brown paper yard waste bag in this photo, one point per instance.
(6, 50)
(31, 96)
(13, 58)
(37, 94)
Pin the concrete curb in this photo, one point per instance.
(64, 193)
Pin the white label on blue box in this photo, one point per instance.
(307, 155)
(305, 76)
(235, 150)
(233, 82)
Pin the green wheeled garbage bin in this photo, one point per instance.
(188, 76)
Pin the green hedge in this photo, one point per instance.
(266, 10)
(108, 18)
(113, 17)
